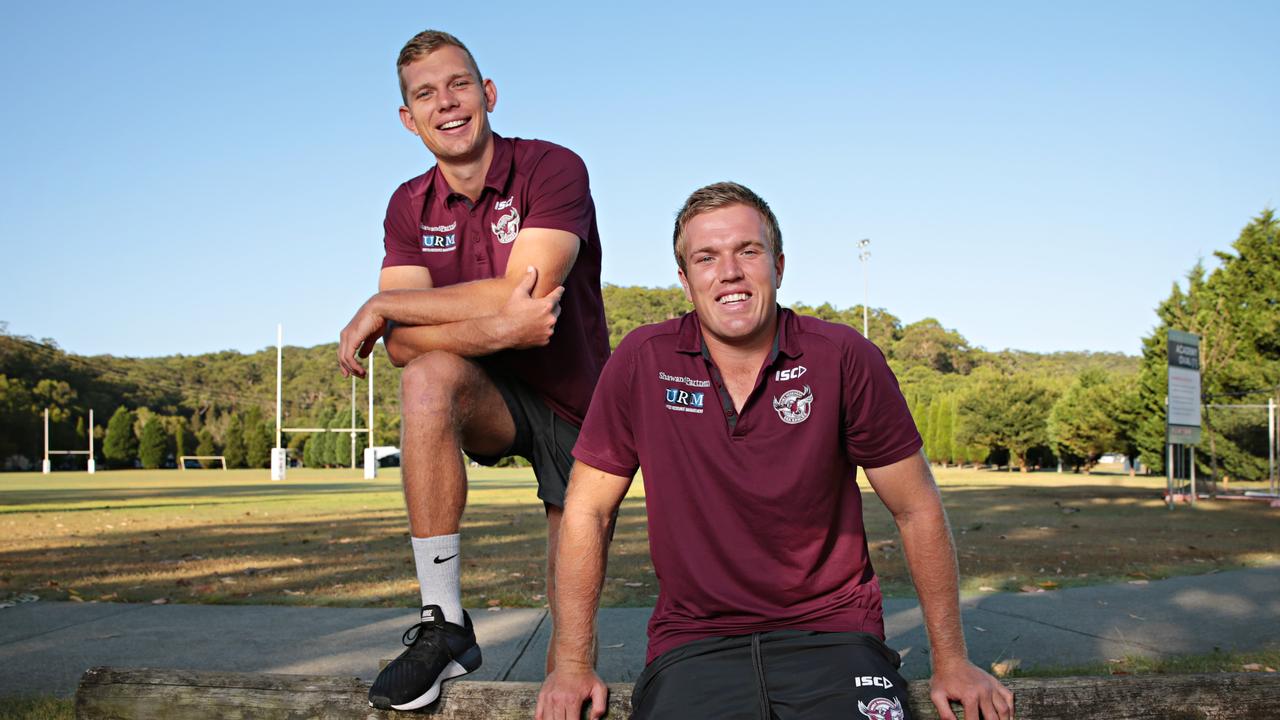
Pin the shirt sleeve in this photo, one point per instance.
(561, 194)
(607, 441)
(400, 238)
(878, 428)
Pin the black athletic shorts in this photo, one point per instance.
(778, 675)
(542, 437)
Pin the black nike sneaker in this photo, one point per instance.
(438, 650)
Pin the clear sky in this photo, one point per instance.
(179, 178)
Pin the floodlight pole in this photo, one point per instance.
(864, 255)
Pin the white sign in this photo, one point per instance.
(1184, 388)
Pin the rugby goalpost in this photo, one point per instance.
(46, 466)
(280, 454)
(182, 460)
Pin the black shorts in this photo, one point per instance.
(778, 675)
(542, 437)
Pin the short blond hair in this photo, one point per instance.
(720, 195)
(423, 44)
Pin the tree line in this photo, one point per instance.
(972, 406)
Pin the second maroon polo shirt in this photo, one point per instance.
(530, 184)
(755, 520)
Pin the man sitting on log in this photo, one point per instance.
(749, 423)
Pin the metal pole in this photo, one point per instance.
(279, 376)
(44, 465)
(866, 296)
(353, 422)
(369, 419)
(863, 256)
(1168, 474)
(1193, 475)
(1271, 445)
(92, 463)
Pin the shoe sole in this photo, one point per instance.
(468, 662)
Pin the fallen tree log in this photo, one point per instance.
(141, 694)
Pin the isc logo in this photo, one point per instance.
(790, 374)
(872, 681)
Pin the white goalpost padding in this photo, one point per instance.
(280, 454)
(46, 466)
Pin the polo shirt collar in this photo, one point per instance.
(497, 178)
(785, 340)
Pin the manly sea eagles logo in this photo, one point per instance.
(793, 406)
(882, 709)
(508, 225)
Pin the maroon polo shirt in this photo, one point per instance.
(530, 184)
(755, 520)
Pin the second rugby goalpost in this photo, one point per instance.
(280, 454)
(46, 466)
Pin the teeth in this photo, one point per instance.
(453, 124)
(735, 297)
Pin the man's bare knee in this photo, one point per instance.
(432, 384)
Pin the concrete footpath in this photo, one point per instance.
(46, 646)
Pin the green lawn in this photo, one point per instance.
(37, 707)
(327, 537)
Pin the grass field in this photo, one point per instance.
(330, 538)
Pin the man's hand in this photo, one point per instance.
(974, 689)
(566, 689)
(357, 339)
(526, 321)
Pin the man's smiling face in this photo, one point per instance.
(731, 274)
(447, 104)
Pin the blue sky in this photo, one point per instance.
(1033, 175)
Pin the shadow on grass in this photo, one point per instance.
(360, 558)
(208, 494)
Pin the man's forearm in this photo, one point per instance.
(931, 557)
(442, 305)
(468, 338)
(580, 567)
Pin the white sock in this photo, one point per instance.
(438, 574)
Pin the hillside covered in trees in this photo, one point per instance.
(224, 403)
(971, 405)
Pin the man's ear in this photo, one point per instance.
(684, 283)
(778, 266)
(490, 95)
(406, 119)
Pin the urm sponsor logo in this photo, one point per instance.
(439, 243)
(687, 398)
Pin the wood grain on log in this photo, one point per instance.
(140, 694)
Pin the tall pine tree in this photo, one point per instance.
(120, 447)
(233, 443)
(154, 447)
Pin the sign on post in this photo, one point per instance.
(1183, 420)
